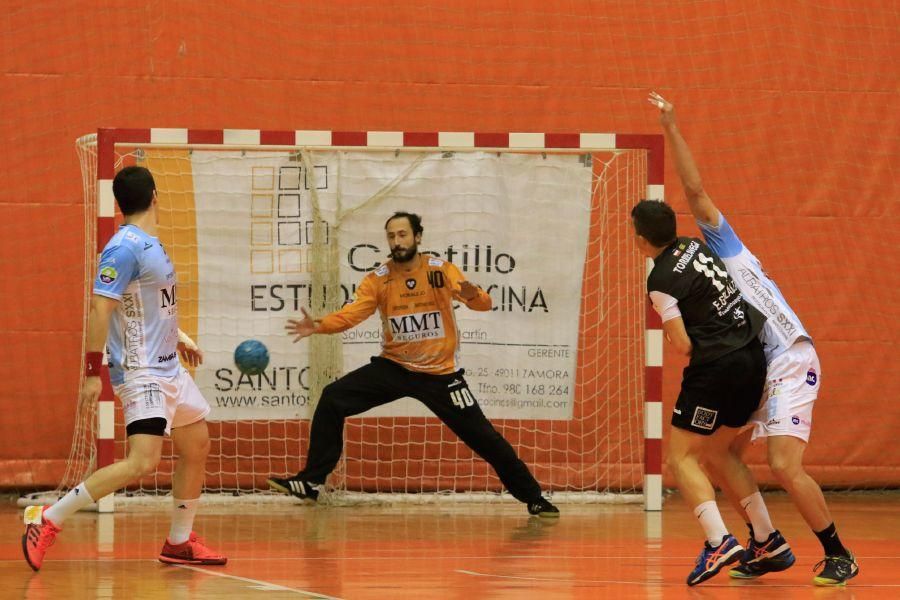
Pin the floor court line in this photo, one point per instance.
(259, 584)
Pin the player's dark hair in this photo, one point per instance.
(133, 188)
(655, 222)
(415, 221)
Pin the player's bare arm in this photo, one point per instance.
(677, 335)
(700, 203)
(189, 351)
(101, 310)
(301, 328)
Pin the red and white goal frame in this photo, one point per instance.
(108, 138)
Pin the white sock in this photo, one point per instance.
(183, 512)
(68, 505)
(759, 516)
(711, 522)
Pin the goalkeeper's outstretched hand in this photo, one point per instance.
(467, 290)
(301, 328)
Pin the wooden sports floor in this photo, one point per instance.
(457, 551)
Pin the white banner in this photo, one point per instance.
(515, 224)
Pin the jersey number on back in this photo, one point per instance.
(706, 265)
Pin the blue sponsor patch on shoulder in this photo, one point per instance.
(811, 377)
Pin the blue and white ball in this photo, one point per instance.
(251, 357)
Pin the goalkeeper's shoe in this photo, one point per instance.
(295, 487)
(711, 560)
(759, 558)
(837, 570)
(192, 552)
(543, 508)
(40, 533)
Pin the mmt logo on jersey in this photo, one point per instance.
(417, 326)
(168, 303)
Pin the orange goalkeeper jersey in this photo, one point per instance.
(418, 325)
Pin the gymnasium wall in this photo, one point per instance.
(790, 108)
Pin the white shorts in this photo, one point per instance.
(792, 384)
(176, 399)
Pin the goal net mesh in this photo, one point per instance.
(256, 234)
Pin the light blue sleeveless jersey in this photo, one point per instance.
(782, 327)
(143, 331)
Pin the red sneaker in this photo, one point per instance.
(40, 533)
(191, 552)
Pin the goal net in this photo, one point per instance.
(258, 230)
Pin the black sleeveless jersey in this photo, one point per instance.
(717, 318)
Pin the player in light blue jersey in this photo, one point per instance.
(134, 311)
(792, 381)
(136, 273)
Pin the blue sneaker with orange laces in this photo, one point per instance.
(711, 560)
(759, 558)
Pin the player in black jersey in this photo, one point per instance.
(705, 318)
(793, 382)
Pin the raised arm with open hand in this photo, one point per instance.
(700, 203)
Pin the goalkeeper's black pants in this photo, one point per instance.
(447, 396)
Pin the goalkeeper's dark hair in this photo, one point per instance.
(655, 222)
(415, 221)
(133, 188)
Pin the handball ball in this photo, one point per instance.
(251, 357)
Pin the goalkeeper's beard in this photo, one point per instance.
(403, 256)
